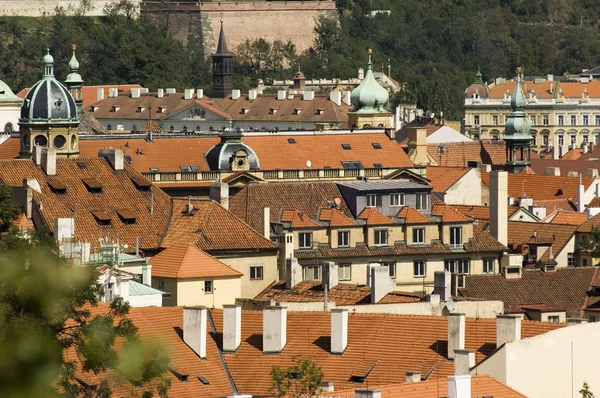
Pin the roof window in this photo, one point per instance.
(273, 111)
(116, 108)
(101, 216)
(377, 165)
(81, 164)
(352, 165)
(127, 216)
(94, 108)
(195, 169)
(291, 141)
(203, 380)
(297, 111)
(320, 111)
(57, 185)
(376, 145)
(182, 377)
(185, 169)
(141, 109)
(346, 146)
(92, 185)
(142, 184)
(127, 158)
(244, 111)
(154, 170)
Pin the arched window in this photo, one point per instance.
(381, 125)
(184, 128)
(109, 127)
(197, 128)
(8, 128)
(211, 128)
(134, 128)
(171, 128)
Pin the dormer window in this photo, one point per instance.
(273, 111)
(320, 111)
(162, 109)
(116, 108)
(92, 185)
(141, 109)
(94, 108)
(297, 111)
(127, 216)
(101, 216)
(476, 94)
(376, 145)
(244, 111)
(346, 146)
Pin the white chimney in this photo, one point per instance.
(135, 93)
(266, 222)
(552, 171)
(308, 95)
(252, 95)
(199, 93)
(413, 376)
(555, 154)
(100, 94)
(330, 275)
(293, 272)
(160, 93)
(346, 98)
(236, 94)
(459, 386)
(194, 329)
(114, 156)
(64, 229)
(456, 333)
(464, 360)
(232, 327)
(274, 329)
(381, 283)
(219, 192)
(145, 90)
(498, 209)
(36, 155)
(281, 95)
(339, 331)
(576, 321)
(508, 329)
(367, 393)
(147, 274)
(584, 147)
(441, 284)
(580, 196)
(170, 91)
(361, 73)
(49, 161)
(188, 93)
(336, 97)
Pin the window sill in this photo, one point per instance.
(256, 279)
(419, 276)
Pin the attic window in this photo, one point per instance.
(162, 109)
(141, 109)
(127, 158)
(195, 169)
(297, 111)
(320, 111)
(376, 145)
(377, 165)
(102, 217)
(352, 165)
(92, 185)
(244, 111)
(203, 380)
(186, 169)
(346, 146)
(141, 184)
(115, 108)
(57, 185)
(94, 108)
(291, 141)
(81, 164)
(273, 111)
(127, 216)
(154, 170)
(182, 377)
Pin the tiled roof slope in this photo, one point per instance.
(307, 198)
(448, 214)
(9, 149)
(187, 261)
(565, 287)
(480, 213)
(481, 386)
(118, 193)
(442, 178)
(542, 187)
(335, 218)
(342, 294)
(164, 324)
(521, 232)
(297, 219)
(458, 154)
(372, 216)
(412, 216)
(569, 217)
(212, 228)
(396, 343)
(589, 224)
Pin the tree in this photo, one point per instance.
(585, 391)
(51, 331)
(302, 379)
(591, 243)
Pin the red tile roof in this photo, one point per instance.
(521, 232)
(480, 213)
(335, 218)
(412, 216)
(372, 216)
(587, 226)
(186, 261)
(442, 178)
(448, 214)
(568, 217)
(458, 154)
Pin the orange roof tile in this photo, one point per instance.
(448, 214)
(568, 217)
(412, 216)
(335, 218)
(459, 154)
(573, 154)
(372, 216)
(23, 223)
(442, 178)
(186, 261)
(480, 213)
(587, 226)
(297, 219)
(151, 126)
(521, 233)
(528, 170)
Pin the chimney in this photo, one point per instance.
(293, 272)
(219, 192)
(459, 386)
(199, 93)
(485, 168)
(170, 91)
(498, 210)
(194, 329)
(100, 94)
(135, 93)
(330, 275)
(552, 171)
(112, 92)
(37, 155)
(145, 90)
(456, 333)
(346, 98)
(367, 393)
(508, 329)
(266, 222)
(381, 283)
(252, 95)
(361, 74)
(236, 94)
(147, 274)
(336, 97)
(49, 161)
(417, 146)
(281, 95)
(64, 229)
(188, 93)
(580, 196)
(555, 154)
(339, 331)
(160, 93)
(464, 360)
(584, 147)
(308, 95)
(413, 376)
(114, 157)
(441, 284)
(274, 329)
(232, 327)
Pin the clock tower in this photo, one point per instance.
(222, 69)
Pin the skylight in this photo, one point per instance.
(291, 141)
(376, 145)
(352, 165)
(346, 146)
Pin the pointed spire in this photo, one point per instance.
(222, 46)
(517, 100)
(478, 76)
(370, 64)
(73, 63)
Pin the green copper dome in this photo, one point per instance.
(518, 126)
(369, 96)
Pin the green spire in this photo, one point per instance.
(73, 78)
(48, 61)
(518, 126)
(369, 96)
(478, 76)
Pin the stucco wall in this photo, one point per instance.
(191, 292)
(250, 288)
(146, 301)
(465, 191)
(9, 113)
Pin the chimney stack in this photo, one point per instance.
(293, 272)
(100, 94)
(459, 386)
(252, 94)
(580, 196)
(308, 95)
(367, 393)
(346, 99)
(413, 376)
(281, 94)
(114, 157)
(339, 331)
(336, 97)
(64, 229)
(219, 192)
(417, 147)
(442, 283)
(232, 327)
(36, 155)
(330, 275)
(199, 93)
(498, 209)
(236, 94)
(135, 93)
(171, 91)
(266, 222)
(464, 360)
(381, 283)
(49, 161)
(160, 93)
(274, 329)
(194, 329)
(147, 274)
(456, 333)
(508, 329)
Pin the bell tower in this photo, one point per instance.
(222, 68)
(518, 136)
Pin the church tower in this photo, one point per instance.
(74, 81)
(49, 116)
(222, 69)
(518, 137)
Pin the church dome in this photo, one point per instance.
(49, 100)
(232, 154)
(478, 89)
(369, 96)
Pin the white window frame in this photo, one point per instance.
(344, 272)
(533, 120)
(585, 120)
(561, 140)
(571, 118)
(476, 120)
(545, 119)
(418, 233)
(391, 266)
(597, 118)
(560, 120)
(487, 268)
(419, 268)
(571, 260)
(553, 318)
(253, 270)
(458, 243)
(464, 266)
(397, 199)
(209, 287)
(302, 243)
(422, 201)
(495, 120)
(309, 272)
(343, 238)
(373, 200)
(378, 235)
(450, 266)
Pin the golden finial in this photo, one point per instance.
(518, 70)
(370, 51)
(73, 46)
(221, 19)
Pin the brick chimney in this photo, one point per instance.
(456, 333)
(194, 329)
(232, 327)
(274, 329)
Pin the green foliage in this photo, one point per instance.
(585, 391)
(591, 242)
(301, 379)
